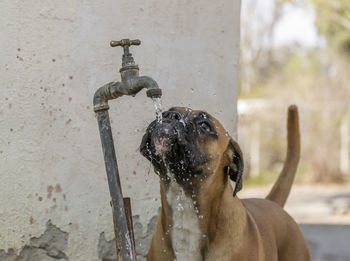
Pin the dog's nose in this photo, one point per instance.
(163, 136)
(165, 130)
(172, 115)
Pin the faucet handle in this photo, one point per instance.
(127, 59)
(125, 42)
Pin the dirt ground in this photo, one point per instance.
(323, 212)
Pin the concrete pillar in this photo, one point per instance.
(54, 55)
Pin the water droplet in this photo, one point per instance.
(180, 207)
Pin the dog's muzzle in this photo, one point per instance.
(171, 146)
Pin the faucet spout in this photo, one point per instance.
(138, 83)
(130, 86)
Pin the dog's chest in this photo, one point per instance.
(185, 233)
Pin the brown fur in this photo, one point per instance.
(280, 191)
(234, 229)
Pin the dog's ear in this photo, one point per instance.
(234, 167)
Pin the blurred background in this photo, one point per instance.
(261, 54)
(299, 52)
(296, 52)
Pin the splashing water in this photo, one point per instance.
(158, 106)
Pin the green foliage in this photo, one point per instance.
(333, 22)
(301, 63)
(257, 92)
(265, 178)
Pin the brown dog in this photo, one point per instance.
(201, 217)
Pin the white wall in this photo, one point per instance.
(53, 56)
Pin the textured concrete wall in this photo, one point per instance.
(54, 55)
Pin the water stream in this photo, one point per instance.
(158, 106)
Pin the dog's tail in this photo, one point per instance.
(280, 191)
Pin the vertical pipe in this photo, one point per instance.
(123, 237)
(128, 213)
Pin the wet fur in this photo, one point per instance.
(234, 229)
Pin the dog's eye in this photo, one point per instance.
(205, 126)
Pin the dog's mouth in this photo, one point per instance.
(171, 147)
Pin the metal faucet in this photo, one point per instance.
(131, 83)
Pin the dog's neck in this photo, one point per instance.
(183, 224)
(191, 220)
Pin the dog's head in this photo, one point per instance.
(190, 146)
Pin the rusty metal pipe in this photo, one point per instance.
(122, 235)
